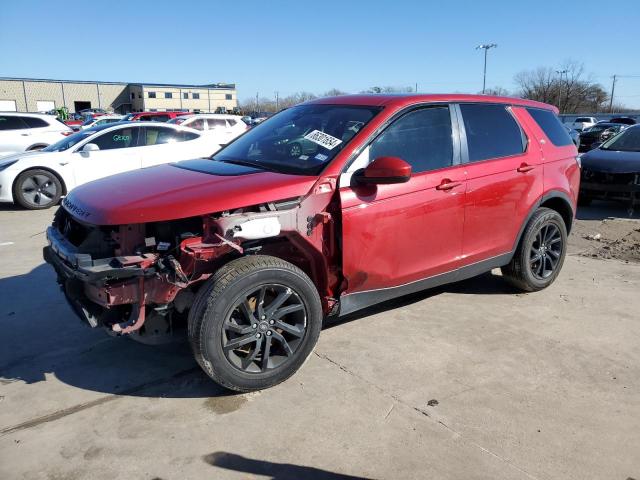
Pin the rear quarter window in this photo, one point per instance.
(551, 126)
(491, 132)
(34, 122)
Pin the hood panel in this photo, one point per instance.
(611, 161)
(169, 192)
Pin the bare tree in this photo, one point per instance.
(497, 91)
(567, 87)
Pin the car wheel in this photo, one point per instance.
(295, 150)
(253, 324)
(540, 254)
(37, 189)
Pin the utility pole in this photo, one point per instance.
(416, 87)
(563, 72)
(257, 103)
(486, 48)
(277, 102)
(613, 90)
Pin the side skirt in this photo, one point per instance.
(359, 300)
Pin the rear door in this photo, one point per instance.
(399, 233)
(119, 152)
(504, 178)
(14, 134)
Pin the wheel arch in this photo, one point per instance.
(554, 200)
(33, 147)
(50, 170)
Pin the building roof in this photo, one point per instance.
(225, 86)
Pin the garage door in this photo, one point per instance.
(45, 105)
(8, 106)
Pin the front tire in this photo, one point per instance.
(540, 254)
(255, 322)
(37, 189)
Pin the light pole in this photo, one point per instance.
(562, 72)
(486, 48)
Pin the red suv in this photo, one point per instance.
(325, 208)
(152, 116)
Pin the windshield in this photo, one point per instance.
(583, 119)
(177, 120)
(627, 141)
(68, 142)
(300, 140)
(599, 128)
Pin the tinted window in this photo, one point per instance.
(196, 96)
(160, 135)
(421, 138)
(583, 119)
(152, 94)
(168, 95)
(228, 96)
(120, 138)
(34, 122)
(185, 95)
(198, 124)
(551, 126)
(11, 123)
(216, 123)
(491, 132)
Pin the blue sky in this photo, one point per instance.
(288, 46)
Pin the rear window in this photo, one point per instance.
(12, 123)
(491, 132)
(551, 126)
(583, 119)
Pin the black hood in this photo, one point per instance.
(611, 161)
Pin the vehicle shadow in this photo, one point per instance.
(42, 337)
(600, 210)
(272, 470)
(485, 284)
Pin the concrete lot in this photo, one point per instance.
(468, 381)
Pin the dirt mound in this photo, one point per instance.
(626, 248)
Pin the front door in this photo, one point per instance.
(118, 152)
(399, 233)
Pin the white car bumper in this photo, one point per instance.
(7, 178)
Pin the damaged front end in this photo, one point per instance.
(141, 279)
(620, 187)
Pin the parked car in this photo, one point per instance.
(103, 120)
(598, 133)
(94, 112)
(37, 180)
(574, 134)
(75, 120)
(624, 120)
(151, 116)
(20, 132)
(582, 123)
(252, 249)
(224, 128)
(611, 171)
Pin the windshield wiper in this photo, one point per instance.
(247, 163)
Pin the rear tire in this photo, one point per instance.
(254, 323)
(37, 189)
(540, 254)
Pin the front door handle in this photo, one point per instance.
(524, 168)
(447, 184)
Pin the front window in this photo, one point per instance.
(300, 140)
(68, 142)
(120, 138)
(627, 141)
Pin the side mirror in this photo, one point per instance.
(90, 147)
(385, 170)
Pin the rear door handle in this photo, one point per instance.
(447, 184)
(524, 168)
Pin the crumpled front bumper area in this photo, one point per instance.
(102, 292)
(623, 187)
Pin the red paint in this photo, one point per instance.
(355, 237)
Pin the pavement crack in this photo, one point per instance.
(65, 412)
(426, 414)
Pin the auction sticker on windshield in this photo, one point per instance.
(323, 139)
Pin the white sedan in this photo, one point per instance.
(37, 180)
(104, 119)
(223, 128)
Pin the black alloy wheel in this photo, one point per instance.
(264, 329)
(546, 250)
